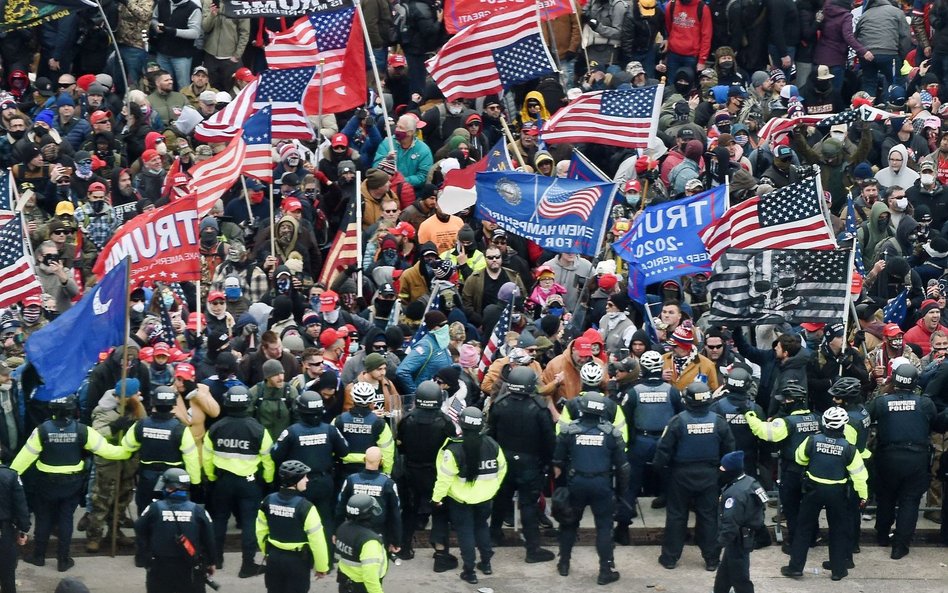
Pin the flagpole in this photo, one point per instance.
(197, 304)
(510, 138)
(849, 297)
(243, 182)
(118, 57)
(358, 214)
(322, 70)
(605, 218)
(579, 24)
(121, 409)
(375, 72)
(19, 208)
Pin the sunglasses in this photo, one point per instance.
(714, 347)
(493, 257)
(392, 211)
(66, 85)
(63, 232)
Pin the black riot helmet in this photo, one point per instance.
(428, 395)
(522, 381)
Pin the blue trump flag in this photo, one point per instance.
(581, 168)
(664, 241)
(561, 215)
(64, 351)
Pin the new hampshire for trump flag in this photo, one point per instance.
(562, 215)
(774, 286)
(64, 351)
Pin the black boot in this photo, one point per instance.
(562, 567)
(607, 574)
(539, 555)
(64, 564)
(620, 535)
(469, 576)
(249, 568)
(444, 561)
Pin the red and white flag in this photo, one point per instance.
(497, 337)
(626, 118)
(211, 178)
(17, 278)
(258, 159)
(345, 247)
(226, 123)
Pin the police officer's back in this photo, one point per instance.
(175, 540)
(363, 561)
(363, 428)
(732, 408)
(14, 522)
(382, 488)
(740, 517)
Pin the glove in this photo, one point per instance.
(750, 413)
(859, 338)
(862, 503)
(121, 423)
(569, 55)
(593, 24)
(361, 113)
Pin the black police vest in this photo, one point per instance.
(829, 457)
(421, 435)
(240, 435)
(698, 437)
(160, 440)
(168, 43)
(754, 497)
(653, 407)
(799, 426)
(589, 449)
(285, 515)
(311, 445)
(490, 450)
(516, 422)
(727, 408)
(901, 420)
(361, 432)
(62, 445)
(859, 419)
(372, 484)
(350, 537)
(170, 520)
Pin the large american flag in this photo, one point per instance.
(258, 158)
(226, 123)
(492, 55)
(497, 337)
(775, 286)
(17, 278)
(557, 203)
(7, 201)
(283, 91)
(627, 118)
(345, 248)
(211, 178)
(788, 218)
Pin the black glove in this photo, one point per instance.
(121, 423)
(593, 24)
(569, 55)
(859, 338)
(189, 386)
(361, 113)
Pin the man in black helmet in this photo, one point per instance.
(589, 451)
(363, 559)
(521, 423)
(847, 394)
(690, 448)
(175, 540)
(904, 422)
(740, 517)
(290, 533)
(235, 449)
(420, 436)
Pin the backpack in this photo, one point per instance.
(274, 413)
(400, 32)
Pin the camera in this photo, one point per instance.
(50, 258)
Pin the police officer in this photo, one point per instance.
(690, 448)
(521, 423)
(235, 449)
(830, 462)
(363, 428)
(56, 446)
(380, 487)
(846, 393)
(14, 522)
(470, 471)
(740, 516)
(648, 407)
(163, 442)
(420, 436)
(790, 430)
(318, 445)
(588, 451)
(591, 375)
(290, 533)
(904, 422)
(175, 540)
(362, 558)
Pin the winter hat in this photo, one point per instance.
(374, 179)
(684, 336)
(694, 149)
(928, 305)
(937, 247)
(434, 319)
(836, 330)
(132, 386)
(387, 166)
(777, 75)
(373, 361)
(733, 461)
(288, 150)
(345, 166)
(272, 368)
(606, 266)
(550, 324)
(831, 148)
(45, 116)
(862, 171)
(451, 377)
(466, 233)
(64, 100)
(608, 281)
(507, 291)
(394, 337)
(468, 356)
(758, 78)
(71, 585)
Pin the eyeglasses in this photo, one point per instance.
(714, 346)
(492, 257)
(66, 85)
(493, 107)
(392, 211)
(313, 364)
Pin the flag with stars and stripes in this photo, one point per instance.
(851, 227)
(776, 286)
(226, 123)
(791, 217)
(7, 201)
(847, 117)
(282, 91)
(497, 337)
(330, 41)
(558, 202)
(433, 303)
(492, 55)
(345, 248)
(626, 118)
(896, 310)
(17, 278)
(258, 160)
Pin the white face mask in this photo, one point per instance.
(838, 136)
(901, 203)
(927, 178)
(454, 109)
(331, 316)
(138, 307)
(161, 148)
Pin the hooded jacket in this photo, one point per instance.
(689, 35)
(571, 384)
(837, 36)
(106, 374)
(883, 30)
(870, 236)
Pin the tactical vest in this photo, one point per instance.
(311, 445)
(361, 432)
(172, 519)
(62, 446)
(829, 457)
(160, 441)
(350, 537)
(698, 438)
(421, 435)
(653, 407)
(285, 516)
(901, 420)
(860, 421)
(799, 426)
(589, 450)
(237, 437)
(489, 452)
(744, 439)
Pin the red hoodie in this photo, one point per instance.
(687, 34)
(921, 337)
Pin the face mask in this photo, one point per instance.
(233, 293)
(725, 129)
(161, 148)
(167, 299)
(389, 256)
(400, 135)
(138, 307)
(442, 335)
(901, 203)
(840, 136)
(84, 169)
(726, 66)
(31, 315)
(895, 343)
(17, 135)
(741, 139)
(455, 109)
(882, 223)
(97, 206)
(682, 87)
(314, 303)
(927, 179)
(331, 316)
(556, 311)
(293, 161)
(283, 285)
(256, 197)
(633, 199)
(234, 256)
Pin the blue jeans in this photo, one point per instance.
(840, 73)
(674, 62)
(180, 69)
(134, 60)
(647, 59)
(791, 51)
(884, 67)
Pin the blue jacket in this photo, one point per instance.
(424, 360)
(413, 163)
(365, 141)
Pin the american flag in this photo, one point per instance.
(778, 125)
(490, 56)
(433, 303)
(210, 179)
(331, 40)
(345, 249)
(851, 231)
(17, 278)
(870, 113)
(497, 337)
(775, 286)
(7, 201)
(557, 202)
(283, 91)
(168, 184)
(896, 310)
(788, 218)
(627, 118)
(225, 124)
(258, 160)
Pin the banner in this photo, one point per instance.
(23, 14)
(562, 215)
(462, 13)
(162, 245)
(663, 242)
(266, 8)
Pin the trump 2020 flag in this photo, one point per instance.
(664, 241)
(562, 215)
(64, 351)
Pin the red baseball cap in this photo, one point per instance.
(192, 321)
(244, 74)
(339, 139)
(100, 116)
(33, 299)
(215, 295)
(328, 301)
(292, 205)
(96, 186)
(812, 327)
(582, 347)
(150, 154)
(161, 349)
(404, 229)
(328, 337)
(185, 370)
(891, 330)
(396, 60)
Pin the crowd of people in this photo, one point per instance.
(389, 379)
